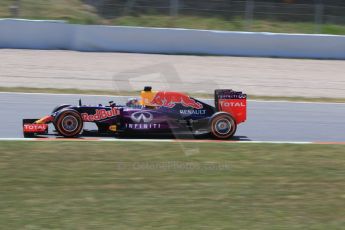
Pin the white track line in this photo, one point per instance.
(160, 140)
(166, 141)
(63, 94)
(118, 96)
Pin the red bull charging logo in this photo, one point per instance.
(170, 99)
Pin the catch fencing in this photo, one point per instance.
(244, 14)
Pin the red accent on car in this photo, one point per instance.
(100, 114)
(45, 120)
(236, 107)
(170, 99)
(35, 128)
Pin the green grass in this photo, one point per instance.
(74, 11)
(215, 23)
(90, 185)
(137, 93)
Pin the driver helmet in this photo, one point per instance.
(133, 102)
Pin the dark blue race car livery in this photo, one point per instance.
(156, 112)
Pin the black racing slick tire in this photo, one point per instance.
(68, 123)
(222, 126)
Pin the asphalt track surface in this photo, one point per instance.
(267, 121)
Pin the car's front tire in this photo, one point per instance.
(60, 107)
(222, 126)
(68, 123)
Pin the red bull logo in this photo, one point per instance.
(170, 99)
(100, 114)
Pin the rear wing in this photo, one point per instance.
(232, 102)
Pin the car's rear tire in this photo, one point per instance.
(222, 126)
(68, 123)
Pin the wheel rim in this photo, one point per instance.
(223, 126)
(69, 123)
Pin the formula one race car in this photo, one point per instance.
(158, 112)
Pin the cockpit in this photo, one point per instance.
(147, 96)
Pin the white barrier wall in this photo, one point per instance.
(54, 35)
(26, 34)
